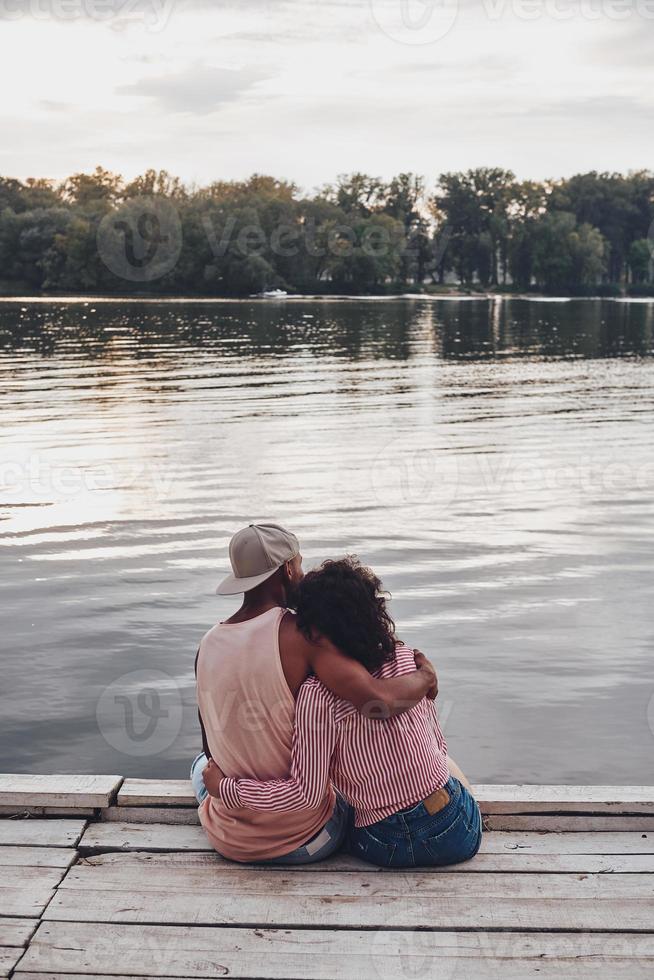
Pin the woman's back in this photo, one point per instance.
(382, 766)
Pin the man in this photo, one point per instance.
(249, 670)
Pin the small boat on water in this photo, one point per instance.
(274, 294)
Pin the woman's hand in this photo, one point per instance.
(212, 777)
(425, 665)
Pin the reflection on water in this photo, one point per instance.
(492, 460)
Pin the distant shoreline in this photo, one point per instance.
(322, 298)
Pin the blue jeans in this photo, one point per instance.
(328, 839)
(414, 837)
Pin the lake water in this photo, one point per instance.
(492, 460)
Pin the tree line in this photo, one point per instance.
(588, 234)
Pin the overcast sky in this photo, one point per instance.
(307, 89)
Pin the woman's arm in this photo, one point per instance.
(373, 697)
(314, 738)
(349, 680)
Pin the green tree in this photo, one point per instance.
(640, 260)
(475, 204)
(97, 191)
(155, 182)
(619, 206)
(528, 205)
(356, 194)
(405, 201)
(567, 256)
(367, 253)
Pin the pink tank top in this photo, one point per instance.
(248, 713)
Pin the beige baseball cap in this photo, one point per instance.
(255, 553)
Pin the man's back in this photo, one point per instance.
(248, 711)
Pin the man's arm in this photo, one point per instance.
(314, 738)
(205, 744)
(372, 697)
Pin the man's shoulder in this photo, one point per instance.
(207, 636)
(210, 634)
(290, 636)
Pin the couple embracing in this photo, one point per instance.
(319, 726)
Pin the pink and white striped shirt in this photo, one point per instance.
(379, 766)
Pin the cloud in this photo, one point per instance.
(629, 50)
(607, 109)
(199, 90)
(51, 105)
(500, 66)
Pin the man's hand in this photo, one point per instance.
(425, 665)
(212, 777)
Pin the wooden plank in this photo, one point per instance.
(26, 891)
(149, 872)
(24, 789)
(345, 912)
(540, 842)
(46, 833)
(180, 816)
(13, 877)
(37, 857)
(547, 823)
(520, 861)
(125, 892)
(78, 949)
(566, 823)
(16, 932)
(492, 798)
(156, 792)
(562, 799)
(144, 837)
(9, 957)
(444, 967)
(19, 812)
(169, 837)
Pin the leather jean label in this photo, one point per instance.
(437, 801)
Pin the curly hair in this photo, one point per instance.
(344, 602)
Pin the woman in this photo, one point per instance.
(408, 808)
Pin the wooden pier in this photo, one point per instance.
(105, 877)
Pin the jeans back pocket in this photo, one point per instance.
(369, 848)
